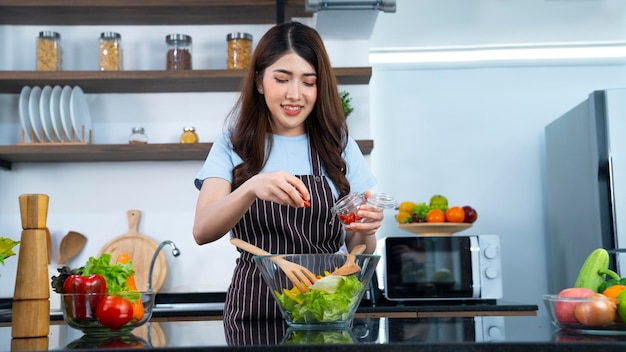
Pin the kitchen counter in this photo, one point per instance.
(480, 333)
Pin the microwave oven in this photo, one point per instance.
(458, 267)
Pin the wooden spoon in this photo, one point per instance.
(71, 244)
(350, 267)
(300, 276)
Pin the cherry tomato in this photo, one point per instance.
(114, 312)
(598, 311)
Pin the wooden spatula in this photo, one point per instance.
(71, 244)
(350, 267)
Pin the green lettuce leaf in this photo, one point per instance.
(115, 275)
(331, 301)
(6, 248)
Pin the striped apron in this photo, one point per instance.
(280, 229)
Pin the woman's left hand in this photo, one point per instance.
(366, 229)
(372, 220)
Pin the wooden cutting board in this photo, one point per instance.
(140, 248)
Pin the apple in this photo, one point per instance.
(470, 214)
(565, 311)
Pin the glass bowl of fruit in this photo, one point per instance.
(582, 310)
(101, 297)
(107, 314)
(331, 301)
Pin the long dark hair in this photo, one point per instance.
(326, 125)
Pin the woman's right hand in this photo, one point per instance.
(279, 187)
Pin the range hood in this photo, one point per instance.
(347, 19)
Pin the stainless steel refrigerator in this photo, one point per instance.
(586, 185)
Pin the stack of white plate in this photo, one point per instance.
(54, 114)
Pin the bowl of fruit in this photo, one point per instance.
(584, 311)
(328, 303)
(596, 304)
(101, 298)
(435, 218)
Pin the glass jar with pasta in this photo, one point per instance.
(239, 50)
(49, 54)
(110, 53)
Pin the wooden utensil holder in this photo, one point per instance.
(30, 318)
(31, 304)
(30, 344)
(34, 210)
(31, 280)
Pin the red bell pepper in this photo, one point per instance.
(83, 293)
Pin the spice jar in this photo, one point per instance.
(178, 52)
(239, 47)
(110, 44)
(138, 136)
(189, 135)
(49, 52)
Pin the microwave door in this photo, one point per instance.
(475, 254)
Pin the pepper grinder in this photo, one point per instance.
(31, 298)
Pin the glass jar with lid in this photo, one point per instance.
(178, 52)
(138, 136)
(239, 50)
(189, 135)
(49, 53)
(110, 52)
(347, 207)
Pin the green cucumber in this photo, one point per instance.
(592, 272)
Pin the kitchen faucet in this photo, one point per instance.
(175, 252)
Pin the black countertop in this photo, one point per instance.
(480, 333)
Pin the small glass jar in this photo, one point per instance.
(239, 50)
(110, 53)
(178, 52)
(49, 53)
(138, 136)
(189, 135)
(347, 207)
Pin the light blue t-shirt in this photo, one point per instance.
(290, 154)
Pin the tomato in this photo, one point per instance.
(350, 218)
(598, 311)
(114, 312)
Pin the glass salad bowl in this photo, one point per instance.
(105, 315)
(331, 302)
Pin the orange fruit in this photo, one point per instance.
(455, 214)
(613, 291)
(435, 215)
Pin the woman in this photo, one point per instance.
(287, 145)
